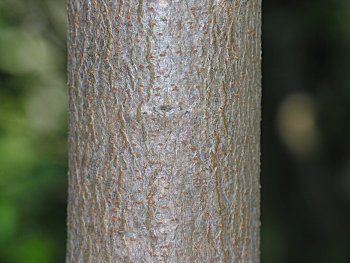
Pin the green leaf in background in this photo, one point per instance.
(8, 221)
(33, 248)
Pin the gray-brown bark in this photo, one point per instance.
(164, 131)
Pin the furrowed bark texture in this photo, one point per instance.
(164, 128)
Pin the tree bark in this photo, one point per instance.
(164, 130)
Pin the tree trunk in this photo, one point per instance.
(164, 131)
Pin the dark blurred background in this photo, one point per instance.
(305, 131)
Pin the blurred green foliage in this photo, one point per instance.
(33, 123)
(305, 131)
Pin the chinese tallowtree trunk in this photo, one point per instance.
(164, 130)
